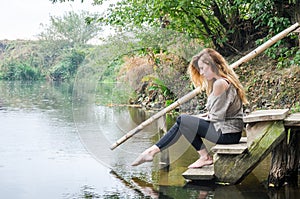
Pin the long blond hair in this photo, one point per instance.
(220, 67)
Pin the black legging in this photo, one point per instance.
(194, 129)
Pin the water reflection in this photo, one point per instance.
(111, 123)
(41, 154)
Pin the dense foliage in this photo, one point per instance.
(230, 26)
(60, 50)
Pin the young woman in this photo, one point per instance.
(222, 124)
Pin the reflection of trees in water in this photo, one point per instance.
(31, 95)
(137, 115)
(140, 188)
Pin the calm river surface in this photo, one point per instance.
(55, 139)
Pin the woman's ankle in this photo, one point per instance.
(153, 150)
(206, 157)
(146, 156)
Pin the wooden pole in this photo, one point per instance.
(196, 91)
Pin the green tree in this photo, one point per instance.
(230, 26)
(72, 28)
(63, 40)
(63, 33)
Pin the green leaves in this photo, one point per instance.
(210, 21)
(66, 68)
(75, 28)
(158, 85)
(17, 70)
(228, 26)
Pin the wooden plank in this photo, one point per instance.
(266, 115)
(239, 148)
(233, 169)
(204, 173)
(254, 130)
(292, 120)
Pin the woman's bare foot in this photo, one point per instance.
(146, 156)
(202, 161)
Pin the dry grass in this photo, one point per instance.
(269, 87)
(134, 69)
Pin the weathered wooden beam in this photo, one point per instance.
(266, 115)
(266, 45)
(233, 169)
(291, 175)
(253, 130)
(239, 148)
(164, 157)
(204, 173)
(292, 120)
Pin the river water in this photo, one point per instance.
(55, 139)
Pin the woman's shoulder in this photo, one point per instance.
(220, 86)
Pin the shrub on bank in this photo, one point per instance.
(16, 70)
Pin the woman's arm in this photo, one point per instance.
(219, 87)
(220, 103)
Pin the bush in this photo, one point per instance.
(68, 66)
(19, 71)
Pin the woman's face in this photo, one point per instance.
(205, 69)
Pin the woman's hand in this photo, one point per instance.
(202, 115)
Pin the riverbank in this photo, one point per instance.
(267, 86)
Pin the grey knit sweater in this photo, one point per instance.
(226, 111)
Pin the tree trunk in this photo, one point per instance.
(291, 176)
(291, 11)
(278, 165)
(296, 18)
(285, 161)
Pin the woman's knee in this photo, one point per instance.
(180, 118)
